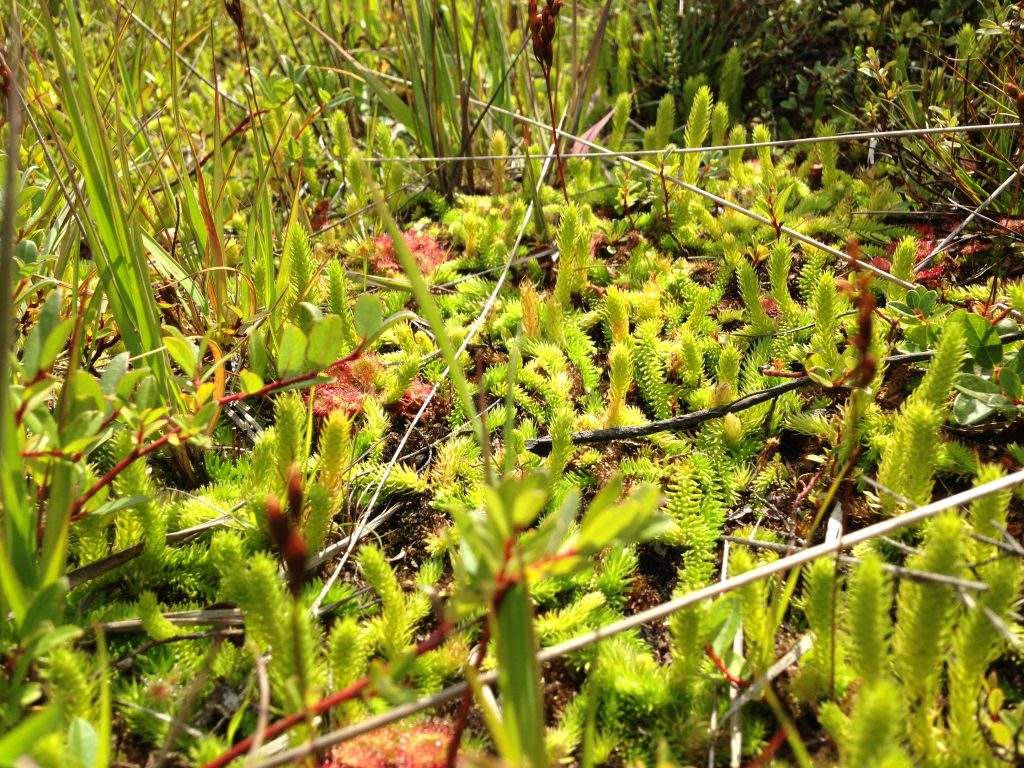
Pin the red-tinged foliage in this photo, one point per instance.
(320, 215)
(410, 402)
(926, 230)
(974, 247)
(882, 263)
(934, 273)
(423, 745)
(353, 381)
(925, 244)
(770, 306)
(1015, 225)
(425, 249)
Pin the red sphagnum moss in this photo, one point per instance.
(422, 745)
(425, 249)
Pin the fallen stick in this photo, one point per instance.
(657, 613)
(542, 445)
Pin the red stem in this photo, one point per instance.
(77, 512)
(725, 670)
(467, 696)
(554, 134)
(782, 374)
(55, 453)
(282, 383)
(276, 729)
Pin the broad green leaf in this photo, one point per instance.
(115, 505)
(498, 516)
(1016, 361)
(978, 387)
(982, 340)
(19, 741)
(819, 375)
(724, 634)
(368, 315)
(967, 410)
(54, 344)
(292, 355)
(127, 383)
(257, 353)
(83, 743)
(250, 382)
(389, 322)
(44, 331)
(525, 497)
(87, 394)
(1009, 383)
(326, 342)
(182, 351)
(114, 372)
(307, 314)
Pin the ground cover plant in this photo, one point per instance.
(487, 383)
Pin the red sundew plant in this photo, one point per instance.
(353, 381)
(423, 745)
(425, 249)
(770, 306)
(413, 398)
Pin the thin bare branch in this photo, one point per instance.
(781, 143)
(923, 263)
(911, 574)
(663, 611)
(542, 445)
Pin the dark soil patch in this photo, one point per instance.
(655, 580)
(407, 533)
(561, 685)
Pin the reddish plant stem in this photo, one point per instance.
(77, 512)
(554, 134)
(55, 453)
(347, 694)
(242, 126)
(19, 415)
(537, 566)
(802, 496)
(467, 696)
(723, 669)
(770, 749)
(282, 383)
(668, 214)
(782, 374)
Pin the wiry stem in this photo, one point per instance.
(554, 135)
(77, 511)
(662, 611)
(347, 694)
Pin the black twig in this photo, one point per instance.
(542, 445)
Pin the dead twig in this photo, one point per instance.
(542, 445)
